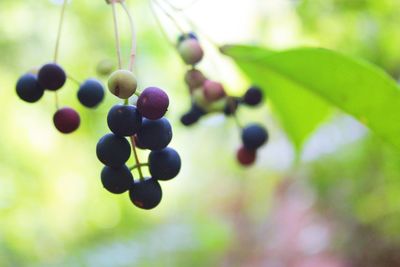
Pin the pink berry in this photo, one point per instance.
(153, 103)
(66, 120)
(213, 91)
(191, 51)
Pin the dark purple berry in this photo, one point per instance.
(124, 120)
(29, 89)
(164, 164)
(153, 103)
(91, 93)
(193, 115)
(253, 96)
(66, 120)
(146, 194)
(155, 135)
(52, 77)
(113, 151)
(116, 180)
(246, 157)
(254, 136)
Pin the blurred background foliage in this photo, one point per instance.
(54, 212)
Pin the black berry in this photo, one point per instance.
(146, 194)
(124, 120)
(29, 89)
(116, 180)
(155, 134)
(164, 164)
(52, 77)
(253, 96)
(113, 150)
(231, 106)
(254, 136)
(91, 93)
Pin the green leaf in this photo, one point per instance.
(299, 111)
(357, 87)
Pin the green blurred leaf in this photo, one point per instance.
(299, 110)
(355, 86)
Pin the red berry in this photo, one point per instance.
(213, 91)
(153, 103)
(66, 120)
(245, 156)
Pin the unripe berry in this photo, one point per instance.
(153, 103)
(191, 51)
(105, 67)
(122, 83)
(66, 120)
(213, 91)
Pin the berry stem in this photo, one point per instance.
(116, 32)
(138, 164)
(169, 15)
(60, 26)
(191, 23)
(133, 34)
(160, 25)
(73, 80)
(56, 101)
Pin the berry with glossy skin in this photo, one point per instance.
(122, 83)
(245, 156)
(254, 136)
(164, 164)
(146, 194)
(105, 67)
(52, 77)
(231, 105)
(253, 96)
(124, 120)
(213, 91)
(191, 51)
(113, 150)
(155, 134)
(29, 89)
(116, 180)
(91, 93)
(153, 103)
(194, 79)
(66, 120)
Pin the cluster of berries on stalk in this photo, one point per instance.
(208, 96)
(143, 123)
(51, 77)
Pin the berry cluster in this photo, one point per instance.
(52, 77)
(144, 124)
(208, 96)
